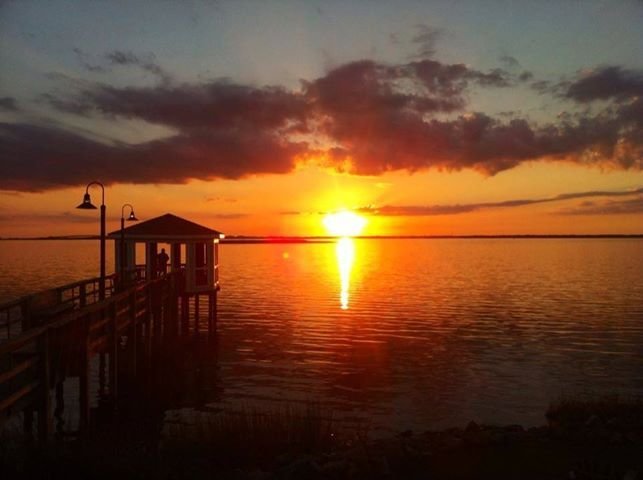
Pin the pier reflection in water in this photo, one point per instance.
(180, 377)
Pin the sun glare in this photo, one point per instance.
(344, 223)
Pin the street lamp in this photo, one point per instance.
(130, 218)
(87, 205)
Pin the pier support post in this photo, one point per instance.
(212, 314)
(140, 337)
(133, 334)
(174, 308)
(113, 351)
(83, 377)
(44, 410)
(157, 301)
(148, 326)
(60, 407)
(185, 314)
(101, 374)
(196, 314)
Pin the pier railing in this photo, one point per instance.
(33, 310)
(35, 362)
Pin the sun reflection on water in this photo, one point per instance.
(345, 250)
(344, 224)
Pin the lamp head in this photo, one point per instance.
(132, 217)
(87, 203)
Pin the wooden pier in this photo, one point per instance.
(44, 346)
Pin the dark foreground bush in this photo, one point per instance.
(588, 437)
(588, 410)
(220, 443)
(249, 436)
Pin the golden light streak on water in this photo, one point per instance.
(345, 251)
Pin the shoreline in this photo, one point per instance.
(594, 447)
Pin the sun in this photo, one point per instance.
(344, 223)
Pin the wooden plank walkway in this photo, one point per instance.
(61, 339)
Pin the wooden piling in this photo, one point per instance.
(148, 326)
(44, 412)
(185, 314)
(196, 314)
(60, 406)
(211, 313)
(113, 351)
(132, 333)
(83, 376)
(101, 374)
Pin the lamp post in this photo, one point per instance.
(130, 218)
(87, 205)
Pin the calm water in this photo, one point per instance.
(408, 333)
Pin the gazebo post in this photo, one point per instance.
(130, 261)
(150, 260)
(175, 255)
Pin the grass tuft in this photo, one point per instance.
(581, 410)
(250, 436)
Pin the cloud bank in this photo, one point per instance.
(365, 117)
(605, 83)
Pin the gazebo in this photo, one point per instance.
(193, 250)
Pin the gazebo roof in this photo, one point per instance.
(166, 228)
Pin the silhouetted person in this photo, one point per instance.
(161, 261)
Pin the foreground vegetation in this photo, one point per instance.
(589, 437)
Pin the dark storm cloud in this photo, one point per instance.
(381, 117)
(611, 82)
(8, 104)
(394, 139)
(366, 117)
(215, 105)
(378, 125)
(633, 112)
(35, 158)
(620, 206)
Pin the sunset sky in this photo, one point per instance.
(257, 118)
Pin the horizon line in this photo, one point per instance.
(232, 239)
